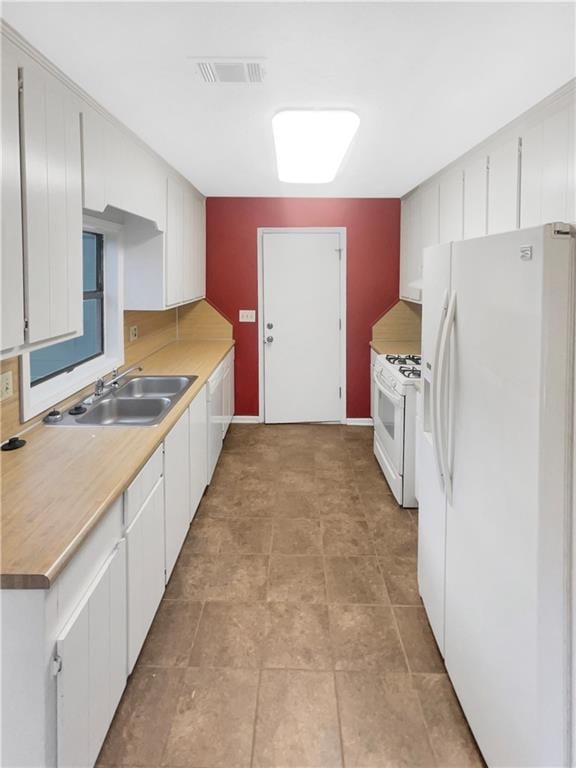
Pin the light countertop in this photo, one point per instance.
(385, 347)
(57, 488)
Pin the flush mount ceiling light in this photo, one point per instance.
(311, 144)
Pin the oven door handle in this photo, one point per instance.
(387, 392)
(435, 385)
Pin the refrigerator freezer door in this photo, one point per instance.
(506, 630)
(432, 501)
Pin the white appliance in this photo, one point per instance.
(495, 484)
(394, 410)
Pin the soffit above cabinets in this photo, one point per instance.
(428, 80)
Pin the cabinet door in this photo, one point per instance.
(451, 199)
(503, 187)
(145, 571)
(475, 196)
(12, 318)
(215, 407)
(429, 217)
(547, 170)
(94, 128)
(177, 489)
(173, 242)
(194, 261)
(410, 248)
(52, 206)
(198, 449)
(92, 655)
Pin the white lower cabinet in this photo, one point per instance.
(198, 448)
(145, 571)
(228, 392)
(220, 408)
(66, 652)
(176, 489)
(91, 659)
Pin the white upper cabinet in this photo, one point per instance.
(475, 196)
(94, 160)
(503, 186)
(451, 217)
(547, 192)
(194, 240)
(410, 248)
(174, 242)
(12, 299)
(185, 243)
(522, 177)
(52, 206)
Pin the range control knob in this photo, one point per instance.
(53, 417)
(13, 444)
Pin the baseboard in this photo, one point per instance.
(359, 422)
(245, 419)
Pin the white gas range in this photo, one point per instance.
(395, 379)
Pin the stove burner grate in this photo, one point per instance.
(410, 372)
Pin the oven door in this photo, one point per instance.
(389, 423)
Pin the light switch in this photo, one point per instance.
(247, 315)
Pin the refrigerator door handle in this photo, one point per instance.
(434, 393)
(441, 392)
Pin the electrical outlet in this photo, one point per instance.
(133, 333)
(6, 389)
(247, 315)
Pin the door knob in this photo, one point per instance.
(269, 339)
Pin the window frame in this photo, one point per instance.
(46, 393)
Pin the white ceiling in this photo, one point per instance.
(427, 80)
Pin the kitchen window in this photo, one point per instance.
(58, 371)
(65, 356)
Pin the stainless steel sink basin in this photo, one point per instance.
(141, 401)
(155, 386)
(126, 410)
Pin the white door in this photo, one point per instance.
(303, 325)
(177, 489)
(52, 206)
(198, 416)
(431, 497)
(503, 187)
(475, 196)
(215, 418)
(145, 555)
(92, 653)
(174, 245)
(12, 303)
(506, 630)
(547, 170)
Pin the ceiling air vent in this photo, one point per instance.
(230, 71)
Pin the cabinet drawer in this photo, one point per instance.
(140, 488)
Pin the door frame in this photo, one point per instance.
(341, 231)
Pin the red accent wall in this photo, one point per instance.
(373, 259)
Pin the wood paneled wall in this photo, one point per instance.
(399, 329)
(201, 321)
(155, 330)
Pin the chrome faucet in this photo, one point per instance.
(102, 386)
(114, 382)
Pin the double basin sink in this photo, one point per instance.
(141, 401)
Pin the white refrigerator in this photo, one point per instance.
(495, 474)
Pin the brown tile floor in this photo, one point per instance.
(291, 634)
